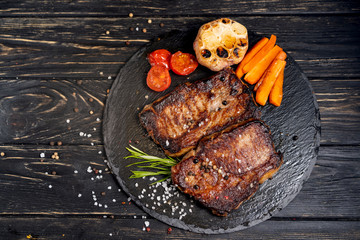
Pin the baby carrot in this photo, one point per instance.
(260, 54)
(258, 70)
(263, 92)
(282, 56)
(254, 50)
(276, 92)
(259, 82)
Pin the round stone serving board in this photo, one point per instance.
(295, 127)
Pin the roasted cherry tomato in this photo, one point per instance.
(158, 78)
(160, 56)
(183, 63)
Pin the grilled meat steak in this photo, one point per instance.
(227, 167)
(181, 118)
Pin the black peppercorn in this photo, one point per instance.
(196, 187)
(195, 160)
(226, 177)
(224, 102)
(222, 78)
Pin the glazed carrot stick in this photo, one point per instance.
(260, 81)
(254, 50)
(276, 92)
(263, 92)
(258, 70)
(282, 56)
(260, 54)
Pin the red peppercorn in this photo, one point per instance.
(217, 197)
(226, 197)
(169, 230)
(148, 229)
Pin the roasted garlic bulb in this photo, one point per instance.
(221, 43)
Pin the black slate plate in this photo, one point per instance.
(295, 127)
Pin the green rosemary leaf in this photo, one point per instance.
(154, 163)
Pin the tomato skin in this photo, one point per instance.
(158, 78)
(183, 63)
(160, 56)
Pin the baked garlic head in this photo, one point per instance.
(221, 43)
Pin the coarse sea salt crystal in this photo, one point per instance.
(147, 223)
(42, 155)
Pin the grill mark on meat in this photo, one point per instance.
(216, 156)
(202, 103)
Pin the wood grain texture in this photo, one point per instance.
(95, 228)
(96, 47)
(182, 7)
(37, 110)
(332, 191)
(31, 184)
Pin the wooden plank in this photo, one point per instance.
(331, 183)
(333, 190)
(79, 182)
(52, 110)
(339, 104)
(42, 111)
(92, 228)
(96, 47)
(151, 8)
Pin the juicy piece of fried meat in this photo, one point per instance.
(227, 167)
(178, 120)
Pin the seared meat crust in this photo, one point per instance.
(181, 118)
(227, 167)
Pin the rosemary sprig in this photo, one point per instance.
(162, 165)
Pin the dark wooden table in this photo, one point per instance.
(59, 58)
